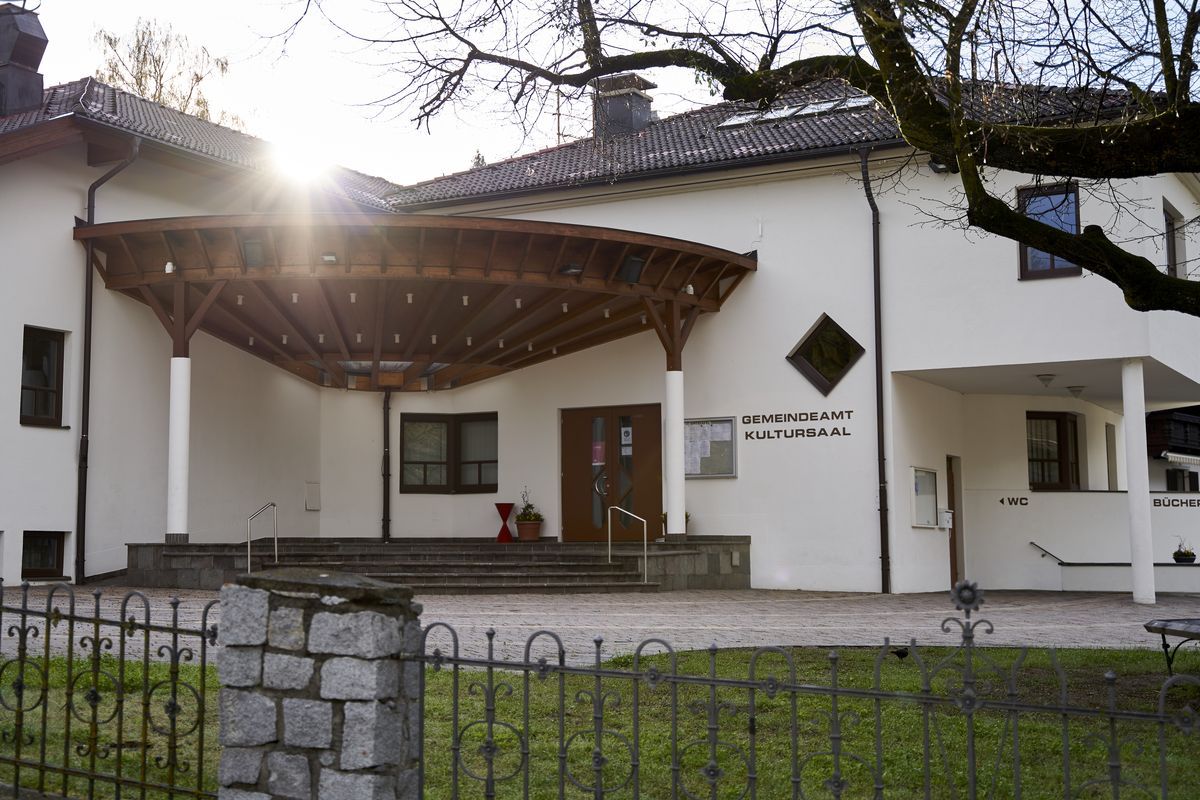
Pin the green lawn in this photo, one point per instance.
(1140, 676)
(1040, 735)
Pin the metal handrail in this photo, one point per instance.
(274, 533)
(645, 541)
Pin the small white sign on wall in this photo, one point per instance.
(924, 503)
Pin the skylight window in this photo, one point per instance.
(789, 112)
(858, 102)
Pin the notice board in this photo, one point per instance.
(710, 448)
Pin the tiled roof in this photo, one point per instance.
(686, 141)
(696, 141)
(91, 100)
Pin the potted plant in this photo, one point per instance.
(1184, 554)
(687, 520)
(529, 520)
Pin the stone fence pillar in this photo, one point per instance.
(317, 701)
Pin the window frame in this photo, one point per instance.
(1024, 194)
(1071, 481)
(454, 461)
(1172, 221)
(60, 338)
(59, 538)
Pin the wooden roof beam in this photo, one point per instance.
(292, 327)
(331, 320)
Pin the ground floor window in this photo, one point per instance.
(42, 554)
(41, 377)
(448, 453)
(1051, 439)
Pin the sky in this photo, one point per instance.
(314, 96)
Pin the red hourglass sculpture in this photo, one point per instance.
(504, 509)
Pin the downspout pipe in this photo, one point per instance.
(387, 464)
(885, 555)
(85, 401)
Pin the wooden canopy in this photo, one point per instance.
(409, 302)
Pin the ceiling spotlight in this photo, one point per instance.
(433, 339)
(320, 338)
(358, 338)
(284, 338)
(1076, 390)
(518, 302)
(240, 299)
(396, 338)
(466, 299)
(643, 319)
(554, 350)
(607, 313)
(409, 296)
(501, 344)
(295, 297)
(468, 341)
(169, 267)
(329, 258)
(252, 341)
(690, 289)
(1046, 378)
(354, 297)
(570, 269)
(564, 308)
(530, 348)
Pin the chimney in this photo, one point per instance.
(620, 104)
(22, 44)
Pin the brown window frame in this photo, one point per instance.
(60, 538)
(1069, 479)
(454, 462)
(60, 339)
(1023, 196)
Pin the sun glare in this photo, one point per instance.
(300, 161)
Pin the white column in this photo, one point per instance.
(673, 457)
(1137, 472)
(178, 444)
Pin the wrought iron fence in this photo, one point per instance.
(105, 697)
(900, 721)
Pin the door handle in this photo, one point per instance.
(600, 485)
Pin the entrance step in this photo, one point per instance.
(458, 566)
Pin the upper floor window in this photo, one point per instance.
(448, 453)
(41, 377)
(1051, 440)
(1058, 207)
(1172, 222)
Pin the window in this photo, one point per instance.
(42, 554)
(925, 505)
(448, 453)
(1051, 441)
(1171, 225)
(825, 354)
(1058, 207)
(41, 377)
(1183, 480)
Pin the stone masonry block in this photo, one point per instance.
(239, 765)
(411, 681)
(288, 776)
(285, 629)
(371, 736)
(243, 615)
(354, 786)
(307, 723)
(240, 666)
(356, 679)
(286, 672)
(247, 718)
(366, 634)
(240, 794)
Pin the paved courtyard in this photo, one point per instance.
(694, 620)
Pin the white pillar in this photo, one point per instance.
(178, 443)
(673, 457)
(1137, 472)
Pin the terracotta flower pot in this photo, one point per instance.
(529, 531)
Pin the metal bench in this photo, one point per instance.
(1188, 630)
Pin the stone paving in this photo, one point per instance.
(695, 619)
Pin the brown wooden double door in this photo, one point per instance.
(611, 456)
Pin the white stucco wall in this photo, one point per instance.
(254, 428)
